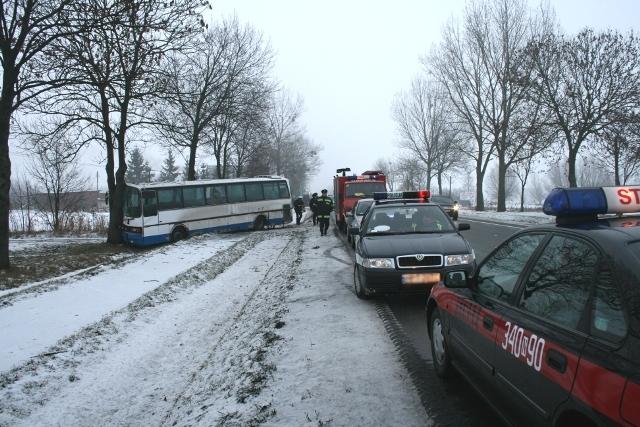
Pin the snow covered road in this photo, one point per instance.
(263, 330)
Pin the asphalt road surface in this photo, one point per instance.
(453, 402)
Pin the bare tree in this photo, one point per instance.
(299, 161)
(390, 169)
(621, 145)
(493, 188)
(503, 29)
(116, 70)
(448, 160)
(587, 83)
(421, 120)
(27, 29)
(457, 64)
(205, 86)
(55, 172)
(22, 205)
(411, 173)
(283, 126)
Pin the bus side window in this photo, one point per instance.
(284, 190)
(235, 193)
(271, 191)
(254, 191)
(149, 203)
(193, 196)
(216, 195)
(169, 198)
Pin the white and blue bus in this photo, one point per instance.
(164, 212)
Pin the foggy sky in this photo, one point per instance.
(348, 59)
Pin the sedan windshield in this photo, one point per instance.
(408, 219)
(363, 206)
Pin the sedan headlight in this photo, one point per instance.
(378, 262)
(459, 259)
(456, 207)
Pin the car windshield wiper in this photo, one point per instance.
(426, 232)
(382, 233)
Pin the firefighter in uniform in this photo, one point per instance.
(313, 205)
(325, 206)
(298, 206)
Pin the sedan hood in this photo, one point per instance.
(407, 244)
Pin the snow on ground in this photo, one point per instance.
(338, 366)
(39, 220)
(524, 218)
(267, 331)
(50, 316)
(30, 243)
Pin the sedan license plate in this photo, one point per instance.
(420, 279)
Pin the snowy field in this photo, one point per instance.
(523, 218)
(239, 329)
(36, 221)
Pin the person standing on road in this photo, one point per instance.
(325, 206)
(313, 205)
(298, 206)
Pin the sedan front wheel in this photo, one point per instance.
(439, 349)
(361, 291)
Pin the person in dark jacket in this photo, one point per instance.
(325, 206)
(298, 206)
(313, 205)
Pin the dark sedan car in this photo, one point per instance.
(449, 205)
(405, 245)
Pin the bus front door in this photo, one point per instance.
(150, 216)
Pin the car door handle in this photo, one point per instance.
(557, 360)
(487, 322)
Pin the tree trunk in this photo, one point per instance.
(522, 197)
(616, 163)
(502, 188)
(440, 183)
(571, 162)
(113, 234)
(6, 108)
(479, 192)
(191, 167)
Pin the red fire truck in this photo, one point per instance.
(348, 189)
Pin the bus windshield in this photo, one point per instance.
(364, 189)
(131, 205)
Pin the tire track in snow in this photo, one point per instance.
(38, 381)
(221, 391)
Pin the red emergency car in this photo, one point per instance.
(548, 325)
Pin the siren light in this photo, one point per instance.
(574, 202)
(422, 194)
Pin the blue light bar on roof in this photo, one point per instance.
(575, 202)
(567, 202)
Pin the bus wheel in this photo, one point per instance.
(258, 224)
(178, 233)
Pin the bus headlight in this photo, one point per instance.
(378, 262)
(459, 259)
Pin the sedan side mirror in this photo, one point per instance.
(463, 226)
(456, 279)
(349, 214)
(354, 231)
